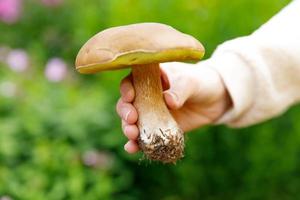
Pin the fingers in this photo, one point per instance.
(129, 117)
(127, 90)
(176, 96)
(131, 146)
(127, 112)
(181, 85)
(130, 131)
(170, 97)
(171, 100)
(164, 79)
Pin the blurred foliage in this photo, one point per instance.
(63, 140)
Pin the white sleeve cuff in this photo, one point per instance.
(239, 81)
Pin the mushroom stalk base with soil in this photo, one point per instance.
(160, 137)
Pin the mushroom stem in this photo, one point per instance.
(160, 137)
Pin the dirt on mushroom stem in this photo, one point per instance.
(160, 137)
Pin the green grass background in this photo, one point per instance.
(48, 127)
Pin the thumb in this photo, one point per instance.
(177, 84)
(172, 100)
(176, 96)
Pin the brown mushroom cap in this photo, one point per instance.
(144, 43)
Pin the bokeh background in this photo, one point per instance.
(60, 137)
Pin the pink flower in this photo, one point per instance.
(52, 3)
(17, 60)
(97, 159)
(10, 10)
(56, 70)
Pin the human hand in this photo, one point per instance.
(195, 95)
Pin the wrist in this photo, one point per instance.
(237, 77)
(210, 90)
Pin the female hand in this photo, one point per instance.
(195, 95)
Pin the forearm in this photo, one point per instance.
(262, 71)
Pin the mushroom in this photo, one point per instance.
(142, 47)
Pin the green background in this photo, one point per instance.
(48, 128)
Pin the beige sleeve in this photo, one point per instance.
(262, 71)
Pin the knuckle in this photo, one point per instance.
(119, 105)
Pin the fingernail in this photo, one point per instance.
(125, 113)
(174, 96)
(126, 146)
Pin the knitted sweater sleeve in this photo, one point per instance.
(262, 71)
